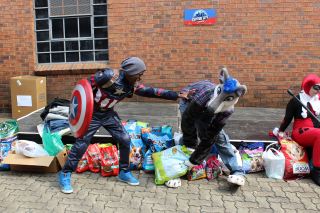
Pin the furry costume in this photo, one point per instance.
(204, 115)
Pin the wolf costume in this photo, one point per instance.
(204, 115)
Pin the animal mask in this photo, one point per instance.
(226, 94)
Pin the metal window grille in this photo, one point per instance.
(60, 8)
(70, 31)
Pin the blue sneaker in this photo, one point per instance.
(65, 182)
(127, 177)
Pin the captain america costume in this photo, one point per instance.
(104, 115)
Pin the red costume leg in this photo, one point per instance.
(309, 137)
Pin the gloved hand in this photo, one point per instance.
(277, 133)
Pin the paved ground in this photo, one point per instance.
(22, 192)
(26, 192)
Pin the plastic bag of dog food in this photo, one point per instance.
(94, 156)
(197, 172)
(158, 138)
(213, 168)
(296, 159)
(169, 164)
(137, 147)
(251, 154)
(83, 164)
(5, 147)
(8, 135)
(109, 161)
(148, 165)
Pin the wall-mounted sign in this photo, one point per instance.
(200, 16)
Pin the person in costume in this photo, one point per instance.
(306, 129)
(110, 86)
(204, 115)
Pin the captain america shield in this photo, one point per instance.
(81, 108)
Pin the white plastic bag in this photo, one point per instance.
(30, 149)
(177, 137)
(273, 162)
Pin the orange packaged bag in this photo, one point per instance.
(297, 163)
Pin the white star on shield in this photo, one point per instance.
(119, 92)
(74, 106)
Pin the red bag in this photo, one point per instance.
(83, 164)
(109, 161)
(213, 168)
(297, 163)
(197, 172)
(94, 157)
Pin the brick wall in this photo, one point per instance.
(16, 45)
(268, 45)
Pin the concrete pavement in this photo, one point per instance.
(23, 192)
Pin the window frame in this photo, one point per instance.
(93, 50)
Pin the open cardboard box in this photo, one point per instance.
(46, 164)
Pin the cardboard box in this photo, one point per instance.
(28, 93)
(46, 164)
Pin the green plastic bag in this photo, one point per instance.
(169, 164)
(52, 142)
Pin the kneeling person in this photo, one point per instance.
(205, 114)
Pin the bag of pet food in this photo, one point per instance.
(296, 159)
(213, 168)
(158, 138)
(94, 156)
(8, 135)
(197, 172)
(5, 147)
(169, 164)
(109, 160)
(148, 165)
(83, 164)
(137, 147)
(251, 155)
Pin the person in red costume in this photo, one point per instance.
(306, 129)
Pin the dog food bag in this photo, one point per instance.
(148, 165)
(169, 164)
(5, 147)
(8, 135)
(213, 168)
(251, 154)
(197, 172)
(137, 147)
(157, 140)
(296, 159)
(94, 157)
(83, 164)
(109, 161)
